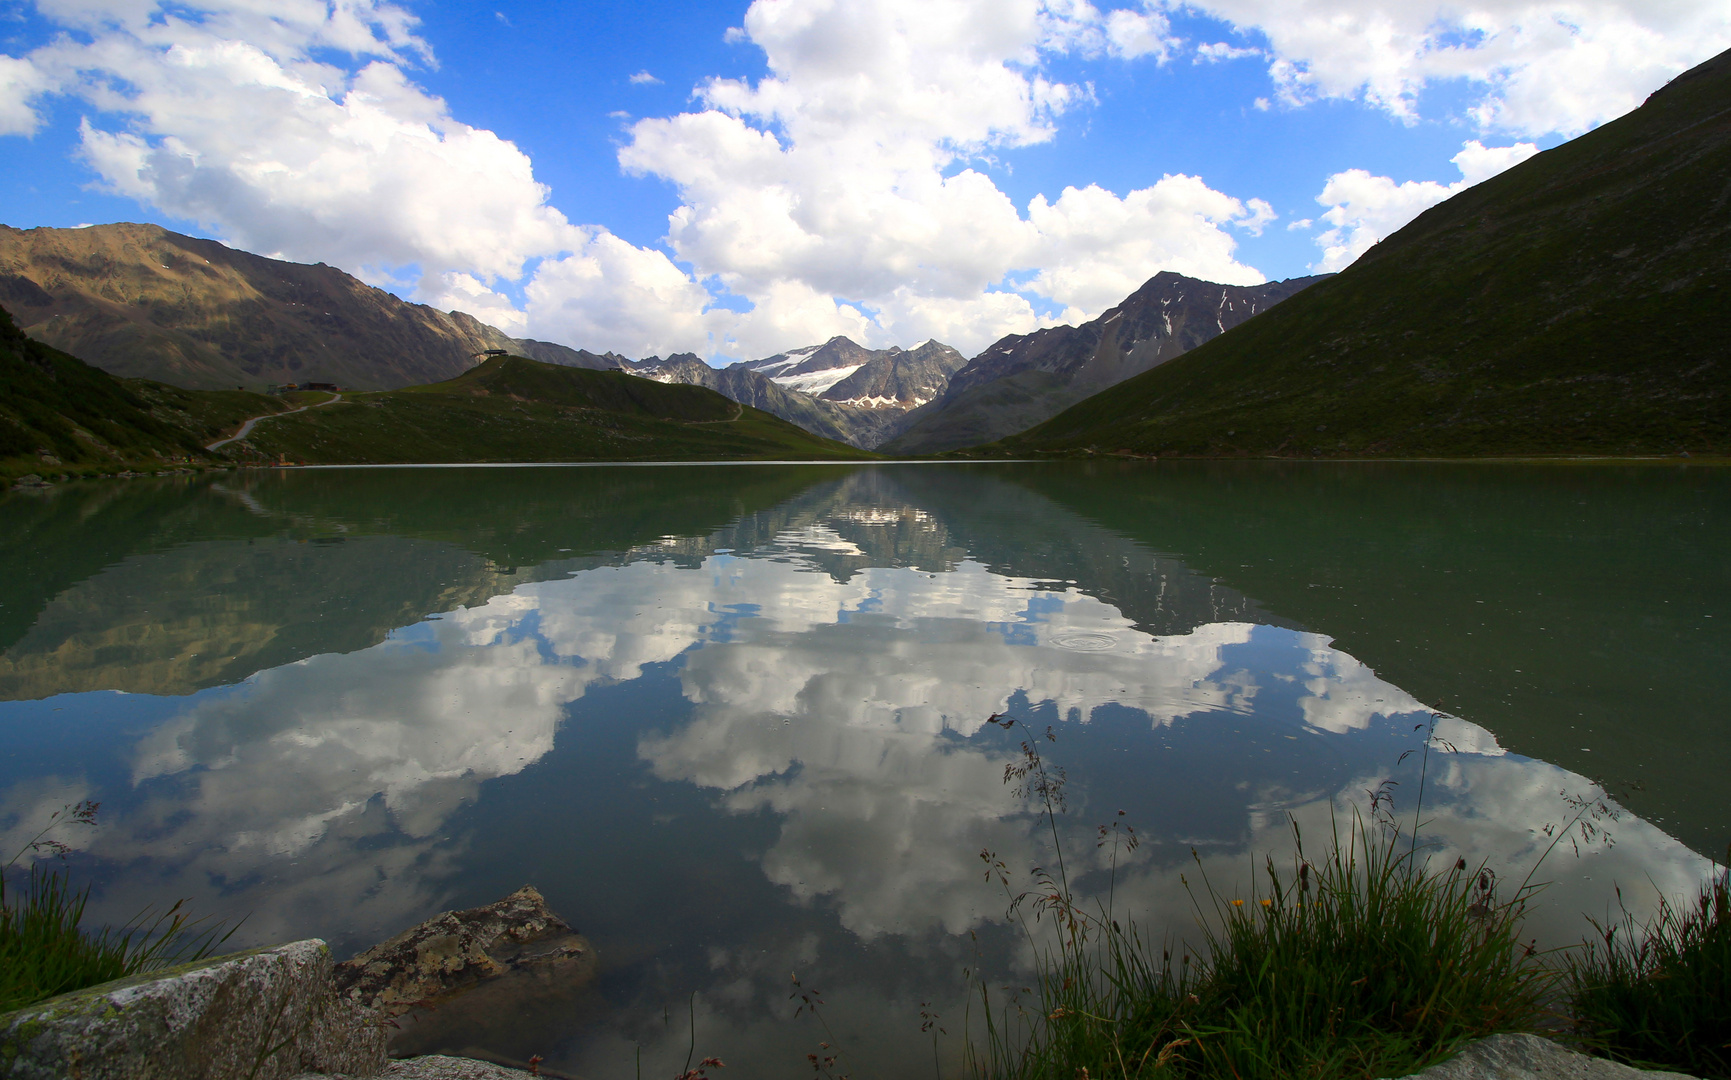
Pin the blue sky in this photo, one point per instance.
(737, 179)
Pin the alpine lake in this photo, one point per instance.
(732, 720)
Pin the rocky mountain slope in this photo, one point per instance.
(758, 391)
(839, 389)
(1026, 378)
(892, 379)
(139, 301)
(1575, 304)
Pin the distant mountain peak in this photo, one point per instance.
(1023, 379)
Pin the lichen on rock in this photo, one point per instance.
(267, 1014)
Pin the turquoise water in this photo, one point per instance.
(731, 720)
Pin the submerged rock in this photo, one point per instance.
(508, 976)
(267, 1014)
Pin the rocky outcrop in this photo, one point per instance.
(510, 974)
(268, 1014)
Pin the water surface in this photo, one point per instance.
(732, 720)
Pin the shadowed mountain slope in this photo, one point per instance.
(58, 413)
(1026, 378)
(1575, 304)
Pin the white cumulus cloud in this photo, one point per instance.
(243, 118)
(1363, 209)
(20, 81)
(609, 294)
(849, 169)
(840, 193)
(1536, 67)
(849, 189)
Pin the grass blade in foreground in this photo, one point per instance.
(1659, 996)
(45, 952)
(1364, 963)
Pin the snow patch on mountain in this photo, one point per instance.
(813, 382)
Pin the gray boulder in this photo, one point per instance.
(438, 1067)
(267, 1014)
(1529, 1057)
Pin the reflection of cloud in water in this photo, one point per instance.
(1490, 809)
(28, 807)
(1344, 694)
(345, 767)
(847, 709)
(303, 744)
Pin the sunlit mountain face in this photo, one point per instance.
(735, 723)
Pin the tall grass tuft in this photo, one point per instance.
(1659, 995)
(45, 951)
(1364, 962)
(1367, 963)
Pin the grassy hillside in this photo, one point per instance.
(515, 409)
(61, 417)
(1579, 303)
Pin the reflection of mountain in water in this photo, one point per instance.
(1582, 613)
(212, 613)
(167, 588)
(932, 518)
(204, 586)
(729, 720)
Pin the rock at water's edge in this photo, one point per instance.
(267, 1014)
(1529, 1057)
(457, 950)
(511, 976)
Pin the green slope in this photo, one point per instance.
(1576, 304)
(515, 409)
(61, 417)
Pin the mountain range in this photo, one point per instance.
(1570, 305)
(139, 301)
(1025, 378)
(839, 389)
(62, 418)
(1575, 304)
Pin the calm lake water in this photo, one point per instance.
(731, 720)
